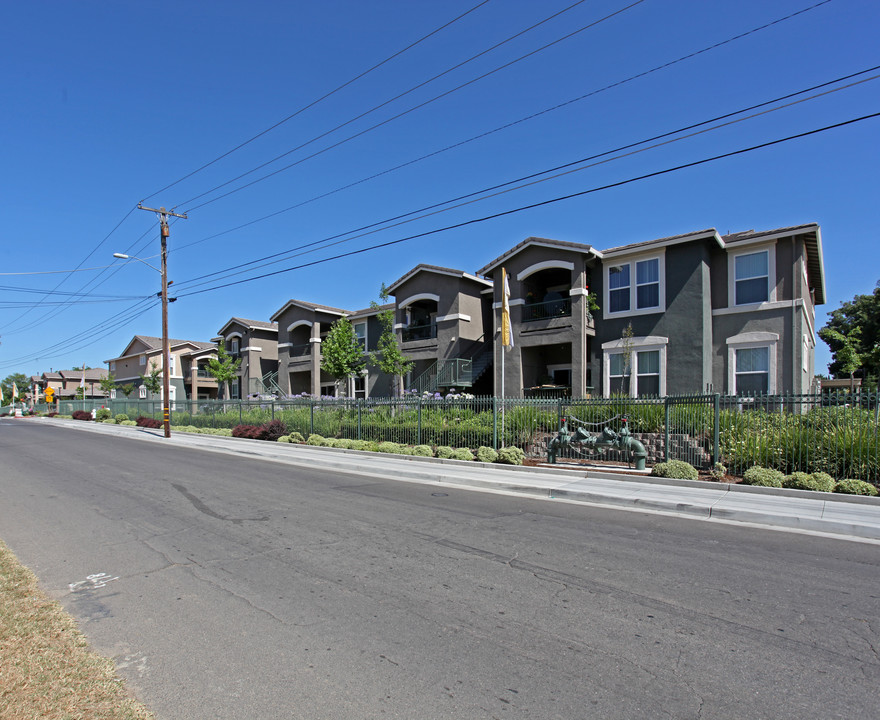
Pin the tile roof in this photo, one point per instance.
(545, 242)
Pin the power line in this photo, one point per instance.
(532, 116)
(318, 100)
(286, 254)
(551, 201)
(405, 112)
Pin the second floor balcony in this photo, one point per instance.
(547, 309)
(300, 350)
(426, 331)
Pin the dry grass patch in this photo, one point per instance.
(46, 668)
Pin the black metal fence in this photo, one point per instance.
(835, 433)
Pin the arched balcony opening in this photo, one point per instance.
(547, 294)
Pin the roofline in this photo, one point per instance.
(649, 245)
(539, 242)
(245, 323)
(438, 271)
(314, 307)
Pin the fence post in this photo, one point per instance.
(715, 456)
(273, 409)
(494, 423)
(240, 420)
(311, 417)
(419, 424)
(360, 404)
(666, 429)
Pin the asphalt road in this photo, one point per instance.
(237, 588)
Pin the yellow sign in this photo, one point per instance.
(49, 393)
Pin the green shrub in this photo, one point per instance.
(511, 456)
(849, 486)
(486, 454)
(315, 440)
(121, 418)
(128, 423)
(102, 414)
(824, 482)
(388, 447)
(423, 451)
(799, 481)
(365, 445)
(763, 477)
(284, 439)
(718, 471)
(462, 454)
(108, 421)
(676, 469)
(444, 451)
(296, 437)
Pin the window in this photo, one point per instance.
(360, 331)
(752, 278)
(234, 389)
(618, 288)
(143, 359)
(751, 363)
(233, 346)
(360, 386)
(113, 394)
(753, 371)
(113, 366)
(636, 287)
(142, 392)
(646, 374)
(617, 374)
(328, 390)
(171, 364)
(647, 284)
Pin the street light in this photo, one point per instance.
(166, 350)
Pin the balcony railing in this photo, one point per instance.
(300, 350)
(419, 332)
(546, 310)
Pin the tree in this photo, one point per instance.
(388, 357)
(223, 368)
(153, 382)
(853, 331)
(341, 353)
(627, 351)
(127, 389)
(22, 384)
(108, 383)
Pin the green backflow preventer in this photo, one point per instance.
(608, 438)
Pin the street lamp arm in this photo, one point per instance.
(123, 256)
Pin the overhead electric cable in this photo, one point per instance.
(420, 105)
(318, 100)
(326, 242)
(490, 132)
(543, 203)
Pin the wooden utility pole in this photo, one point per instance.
(166, 350)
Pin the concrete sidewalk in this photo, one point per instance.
(845, 516)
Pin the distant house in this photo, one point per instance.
(187, 366)
(66, 383)
(255, 342)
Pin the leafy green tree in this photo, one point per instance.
(853, 335)
(388, 357)
(108, 383)
(127, 389)
(341, 352)
(223, 368)
(153, 381)
(21, 382)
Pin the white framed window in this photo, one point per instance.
(171, 364)
(234, 345)
(360, 331)
(113, 394)
(143, 360)
(751, 363)
(142, 392)
(751, 277)
(113, 366)
(636, 287)
(646, 374)
(328, 390)
(359, 386)
(234, 389)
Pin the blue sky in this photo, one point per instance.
(106, 103)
